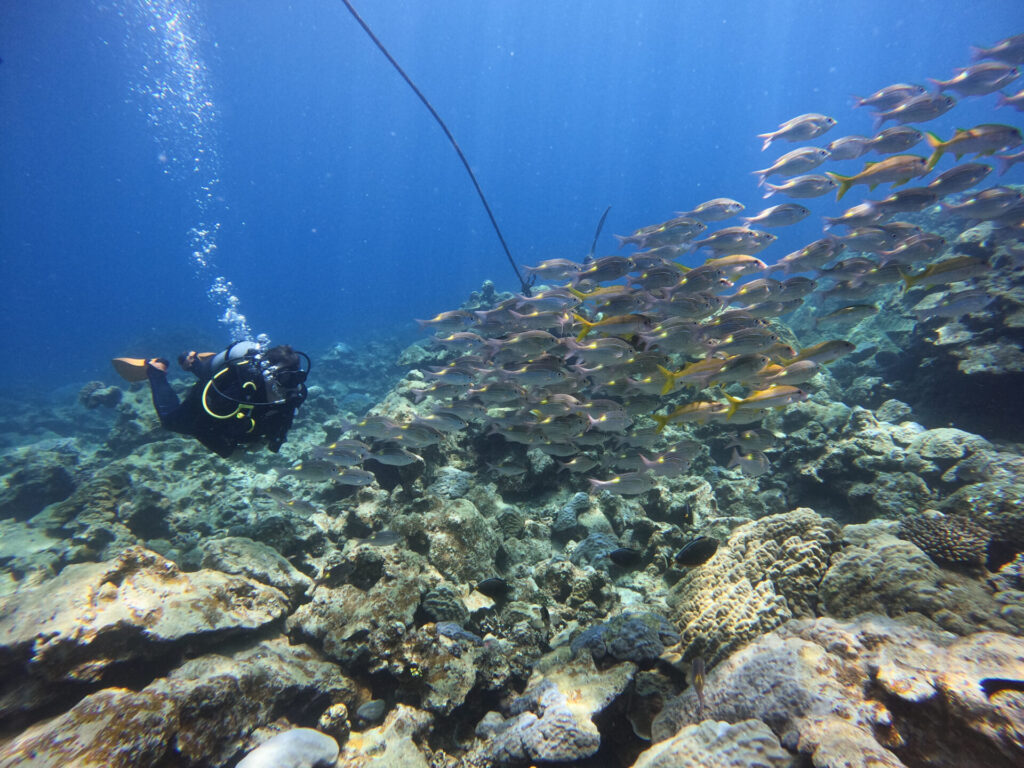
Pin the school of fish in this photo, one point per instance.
(604, 356)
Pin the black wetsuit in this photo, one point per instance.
(270, 421)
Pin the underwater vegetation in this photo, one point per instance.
(650, 514)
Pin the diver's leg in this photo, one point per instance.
(165, 400)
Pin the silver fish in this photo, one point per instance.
(811, 185)
(979, 79)
(800, 128)
(628, 484)
(719, 209)
(848, 147)
(793, 163)
(890, 96)
(778, 216)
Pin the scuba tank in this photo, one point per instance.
(242, 379)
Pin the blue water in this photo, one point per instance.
(343, 213)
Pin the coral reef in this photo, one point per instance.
(636, 637)
(878, 573)
(767, 572)
(872, 692)
(200, 714)
(711, 744)
(946, 538)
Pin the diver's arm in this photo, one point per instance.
(165, 400)
(281, 422)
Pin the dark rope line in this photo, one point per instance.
(525, 286)
(597, 234)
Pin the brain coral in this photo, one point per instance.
(946, 538)
(766, 573)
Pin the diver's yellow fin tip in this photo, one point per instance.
(130, 368)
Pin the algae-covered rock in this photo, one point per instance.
(256, 560)
(357, 625)
(712, 744)
(880, 573)
(35, 482)
(201, 714)
(462, 543)
(553, 720)
(95, 615)
(867, 693)
(636, 637)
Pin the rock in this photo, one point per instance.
(947, 444)
(372, 711)
(201, 714)
(712, 744)
(355, 625)
(334, 722)
(96, 394)
(552, 720)
(566, 516)
(451, 483)
(92, 616)
(636, 637)
(114, 728)
(42, 480)
(594, 551)
(393, 744)
(765, 573)
(869, 693)
(461, 543)
(893, 411)
(297, 748)
(883, 574)
(255, 560)
(27, 556)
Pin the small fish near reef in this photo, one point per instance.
(696, 552)
(990, 686)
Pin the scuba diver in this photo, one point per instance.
(243, 395)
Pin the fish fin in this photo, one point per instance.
(843, 183)
(587, 326)
(938, 86)
(734, 460)
(937, 149)
(577, 293)
(901, 182)
(772, 189)
(670, 379)
(1003, 164)
(622, 239)
(1002, 101)
(908, 280)
(977, 53)
(734, 403)
(768, 139)
(661, 420)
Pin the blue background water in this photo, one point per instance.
(344, 213)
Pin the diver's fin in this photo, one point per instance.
(130, 368)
